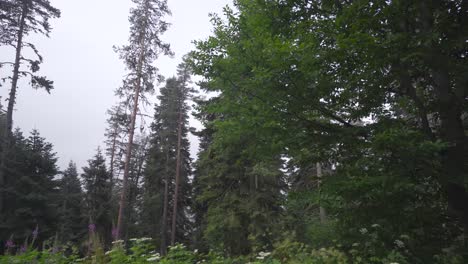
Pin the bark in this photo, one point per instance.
(450, 109)
(6, 139)
(165, 208)
(123, 197)
(177, 179)
(114, 142)
(113, 150)
(322, 212)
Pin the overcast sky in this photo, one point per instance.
(80, 60)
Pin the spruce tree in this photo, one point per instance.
(72, 221)
(32, 197)
(238, 198)
(97, 185)
(163, 164)
(145, 45)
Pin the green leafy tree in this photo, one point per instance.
(346, 83)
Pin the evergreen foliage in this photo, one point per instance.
(71, 214)
(32, 195)
(96, 182)
(161, 165)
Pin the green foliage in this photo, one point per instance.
(32, 196)
(97, 185)
(160, 169)
(71, 216)
(241, 198)
(350, 85)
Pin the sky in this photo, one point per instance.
(79, 58)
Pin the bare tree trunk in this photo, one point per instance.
(165, 205)
(177, 178)
(128, 154)
(322, 212)
(6, 139)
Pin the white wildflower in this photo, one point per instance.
(375, 225)
(405, 236)
(264, 254)
(399, 243)
(363, 231)
(155, 258)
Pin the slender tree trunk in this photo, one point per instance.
(322, 212)
(133, 191)
(177, 178)
(6, 139)
(112, 159)
(123, 197)
(165, 208)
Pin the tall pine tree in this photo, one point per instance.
(145, 45)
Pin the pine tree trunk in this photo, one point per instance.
(123, 197)
(165, 208)
(177, 178)
(6, 139)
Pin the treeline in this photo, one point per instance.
(334, 124)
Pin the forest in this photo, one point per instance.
(334, 132)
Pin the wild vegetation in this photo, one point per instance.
(333, 132)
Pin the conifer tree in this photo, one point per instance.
(115, 134)
(135, 194)
(145, 45)
(31, 189)
(72, 223)
(182, 94)
(161, 171)
(97, 185)
(238, 198)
